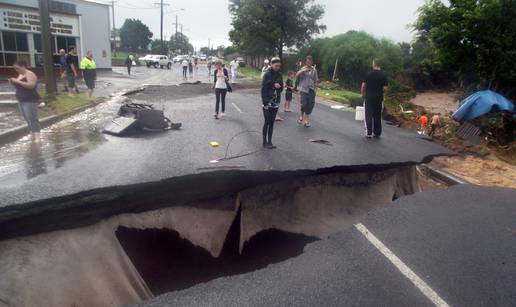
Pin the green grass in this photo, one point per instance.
(62, 103)
(250, 72)
(122, 55)
(350, 98)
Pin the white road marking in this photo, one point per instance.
(236, 107)
(402, 267)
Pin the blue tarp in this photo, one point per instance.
(480, 104)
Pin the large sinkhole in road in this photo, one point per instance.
(169, 236)
(167, 262)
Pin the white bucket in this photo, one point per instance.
(360, 113)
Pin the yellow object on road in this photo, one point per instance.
(214, 144)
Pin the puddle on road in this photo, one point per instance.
(65, 140)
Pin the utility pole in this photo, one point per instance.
(175, 43)
(182, 38)
(114, 29)
(161, 32)
(161, 4)
(48, 62)
(209, 50)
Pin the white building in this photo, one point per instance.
(79, 23)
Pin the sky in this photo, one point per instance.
(210, 19)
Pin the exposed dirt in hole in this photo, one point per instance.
(481, 171)
(168, 263)
(443, 102)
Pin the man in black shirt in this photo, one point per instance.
(372, 93)
(71, 68)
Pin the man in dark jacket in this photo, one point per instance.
(272, 85)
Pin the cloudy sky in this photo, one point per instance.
(209, 19)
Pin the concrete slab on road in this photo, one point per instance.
(460, 243)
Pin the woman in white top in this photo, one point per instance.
(265, 68)
(221, 88)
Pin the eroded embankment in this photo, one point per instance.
(171, 243)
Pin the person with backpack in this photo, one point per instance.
(221, 86)
(272, 86)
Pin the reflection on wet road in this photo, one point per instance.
(79, 134)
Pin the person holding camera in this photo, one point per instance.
(308, 80)
(272, 86)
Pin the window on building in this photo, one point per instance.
(15, 41)
(15, 47)
(9, 39)
(38, 46)
(64, 42)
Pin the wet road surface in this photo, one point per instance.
(79, 134)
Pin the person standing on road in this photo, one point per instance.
(190, 68)
(129, 64)
(308, 81)
(265, 68)
(26, 85)
(372, 92)
(71, 71)
(220, 84)
(272, 85)
(184, 64)
(209, 68)
(62, 68)
(234, 65)
(289, 84)
(89, 71)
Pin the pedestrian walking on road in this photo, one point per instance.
(308, 80)
(89, 71)
(220, 84)
(72, 70)
(26, 86)
(436, 123)
(234, 65)
(289, 88)
(190, 68)
(184, 64)
(62, 69)
(129, 64)
(209, 68)
(372, 92)
(272, 85)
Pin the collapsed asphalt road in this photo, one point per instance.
(178, 182)
(454, 247)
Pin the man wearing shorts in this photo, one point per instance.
(71, 70)
(307, 83)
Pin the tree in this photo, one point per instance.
(354, 51)
(474, 38)
(267, 26)
(156, 47)
(182, 42)
(134, 35)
